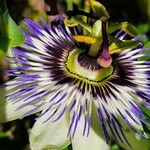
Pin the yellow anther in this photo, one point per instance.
(85, 39)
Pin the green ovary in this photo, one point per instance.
(75, 70)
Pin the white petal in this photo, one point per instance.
(94, 141)
(49, 135)
(8, 110)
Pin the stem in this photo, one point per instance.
(94, 49)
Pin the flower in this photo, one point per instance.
(80, 93)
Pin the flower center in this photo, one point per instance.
(81, 66)
(98, 46)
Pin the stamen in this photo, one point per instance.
(105, 58)
(85, 39)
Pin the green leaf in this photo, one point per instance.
(147, 44)
(125, 26)
(143, 28)
(98, 9)
(69, 4)
(145, 58)
(79, 3)
(3, 135)
(118, 45)
(10, 34)
(115, 147)
(83, 24)
(129, 28)
(137, 143)
(70, 22)
(145, 110)
(67, 148)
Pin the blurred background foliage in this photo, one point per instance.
(14, 135)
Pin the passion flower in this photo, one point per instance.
(79, 93)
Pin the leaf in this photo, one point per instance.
(115, 147)
(145, 110)
(125, 26)
(144, 28)
(146, 58)
(83, 24)
(67, 148)
(98, 9)
(10, 34)
(71, 4)
(118, 45)
(129, 28)
(3, 135)
(70, 22)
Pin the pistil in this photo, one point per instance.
(105, 58)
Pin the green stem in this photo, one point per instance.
(94, 49)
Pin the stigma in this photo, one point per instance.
(104, 59)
